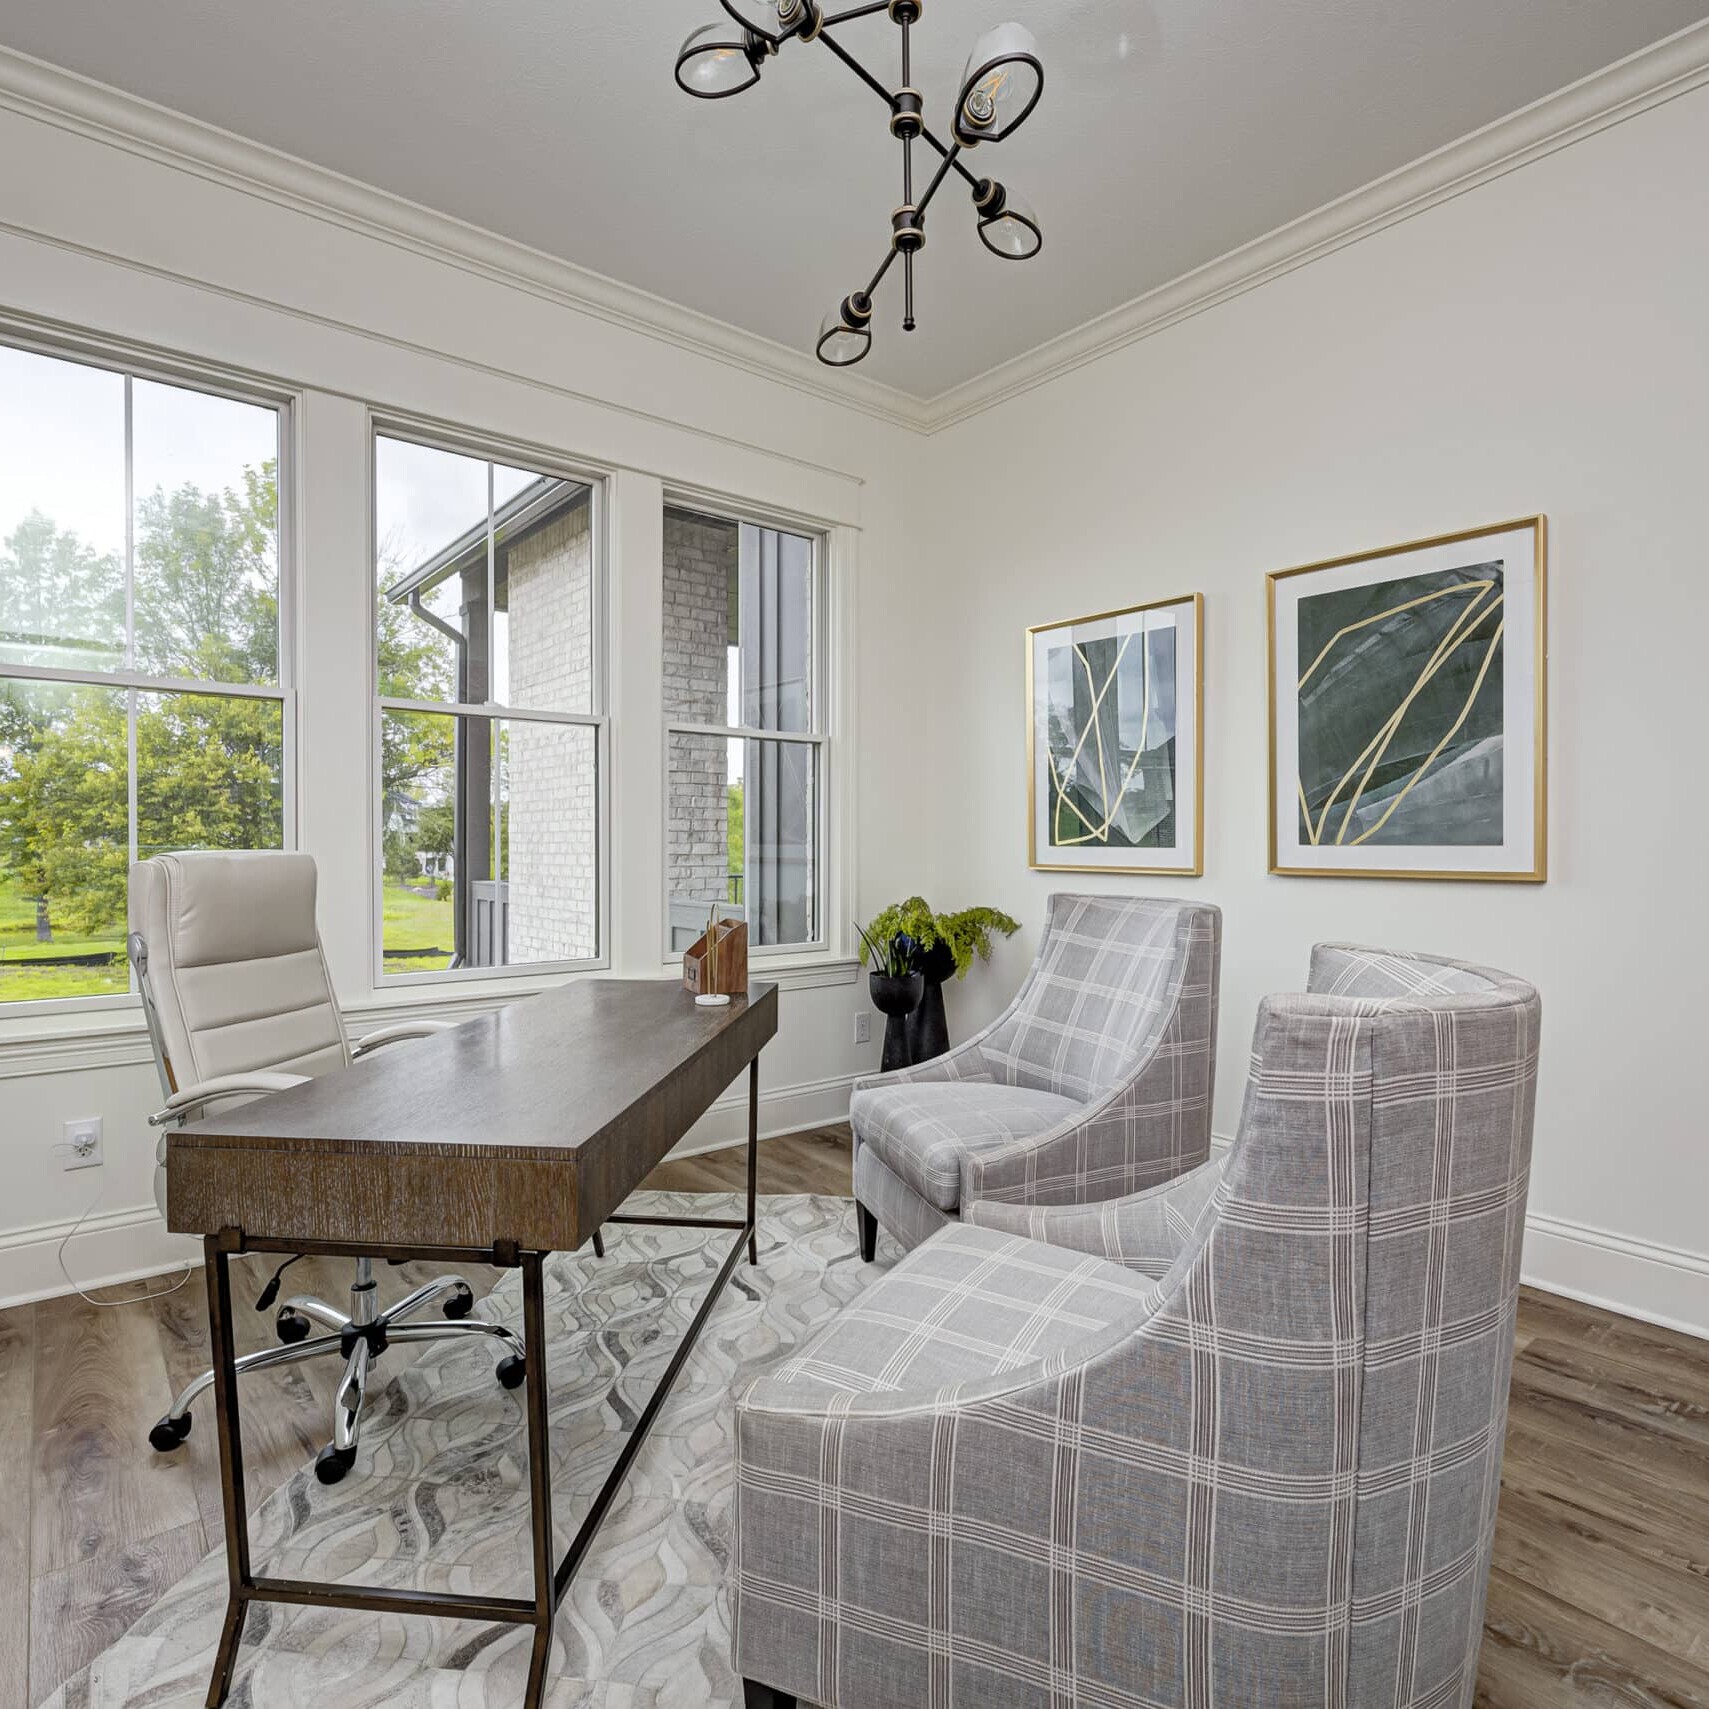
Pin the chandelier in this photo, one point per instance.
(999, 89)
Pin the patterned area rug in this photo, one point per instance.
(439, 1499)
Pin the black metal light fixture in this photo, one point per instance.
(1000, 88)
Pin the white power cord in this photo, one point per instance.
(77, 1287)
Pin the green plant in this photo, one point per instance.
(891, 955)
(965, 934)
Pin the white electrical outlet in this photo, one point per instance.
(863, 1029)
(81, 1146)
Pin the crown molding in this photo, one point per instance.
(1654, 75)
(78, 104)
(1671, 67)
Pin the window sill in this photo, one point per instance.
(808, 971)
(116, 1037)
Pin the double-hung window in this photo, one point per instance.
(144, 689)
(491, 739)
(746, 754)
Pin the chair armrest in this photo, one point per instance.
(1144, 1231)
(965, 1062)
(256, 1085)
(382, 1036)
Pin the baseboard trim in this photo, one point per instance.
(110, 1247)
(127, 1244)
(1645, 1279)
(1659, 1284)
(783, 1109)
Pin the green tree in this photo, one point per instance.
(61, 602)
(64, 812)
(207, 604)
(209, 768)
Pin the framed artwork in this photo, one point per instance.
(1114, 747)
(1408, 702)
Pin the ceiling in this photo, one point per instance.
(1171, 132)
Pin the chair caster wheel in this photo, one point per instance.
(332, 1463)
(513, 1372)
(291, 1326)
(460, 1304)
(169, 1433)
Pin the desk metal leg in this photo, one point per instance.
(753, 1158)
(551, 1579)
(539, 1474)
(217, 1265)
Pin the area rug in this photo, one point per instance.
(439, 1499)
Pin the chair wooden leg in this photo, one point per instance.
(868, 1232)
(757, 1696)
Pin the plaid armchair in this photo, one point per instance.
(1096, 1081)
(1235, 1440)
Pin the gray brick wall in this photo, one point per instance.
(699, 572)
(551, 838)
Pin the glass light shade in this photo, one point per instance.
(765, 18)
(714, 62)
(1015, 233)
(1001, 85)
(842, 345)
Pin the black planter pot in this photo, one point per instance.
(928, 1027)
(896, 999)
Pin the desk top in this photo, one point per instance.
(531, 1123)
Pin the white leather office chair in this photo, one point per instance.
(238, 1003)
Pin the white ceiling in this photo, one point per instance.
(1171, 131)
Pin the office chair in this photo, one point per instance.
(238, 1004)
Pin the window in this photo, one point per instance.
(491, 738)
(745, 781)
(142, 689)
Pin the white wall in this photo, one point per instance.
(135, 244)
(1539, 344)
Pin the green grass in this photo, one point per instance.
(415, 923)
(22, 983)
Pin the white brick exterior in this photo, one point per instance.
(551, 835)
(700, 566)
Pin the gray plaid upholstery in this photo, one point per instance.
(1112, 1036)
(1348, 970)
(899, 1209)
(1270, 1480)
(967, 1305)
(924, 1130)
(1145, 1232)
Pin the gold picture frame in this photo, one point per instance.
(1531, 857)
(1191, 863)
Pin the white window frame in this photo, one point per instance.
(545, 462)
(131, 363)
(722, 509)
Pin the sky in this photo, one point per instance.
(62, 443)
(62, 451)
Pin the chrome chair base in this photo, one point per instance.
(359, 1338)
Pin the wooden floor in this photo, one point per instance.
(1600, 1594)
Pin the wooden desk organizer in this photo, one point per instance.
(729, 976)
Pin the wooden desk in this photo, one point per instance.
(500, 1141)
